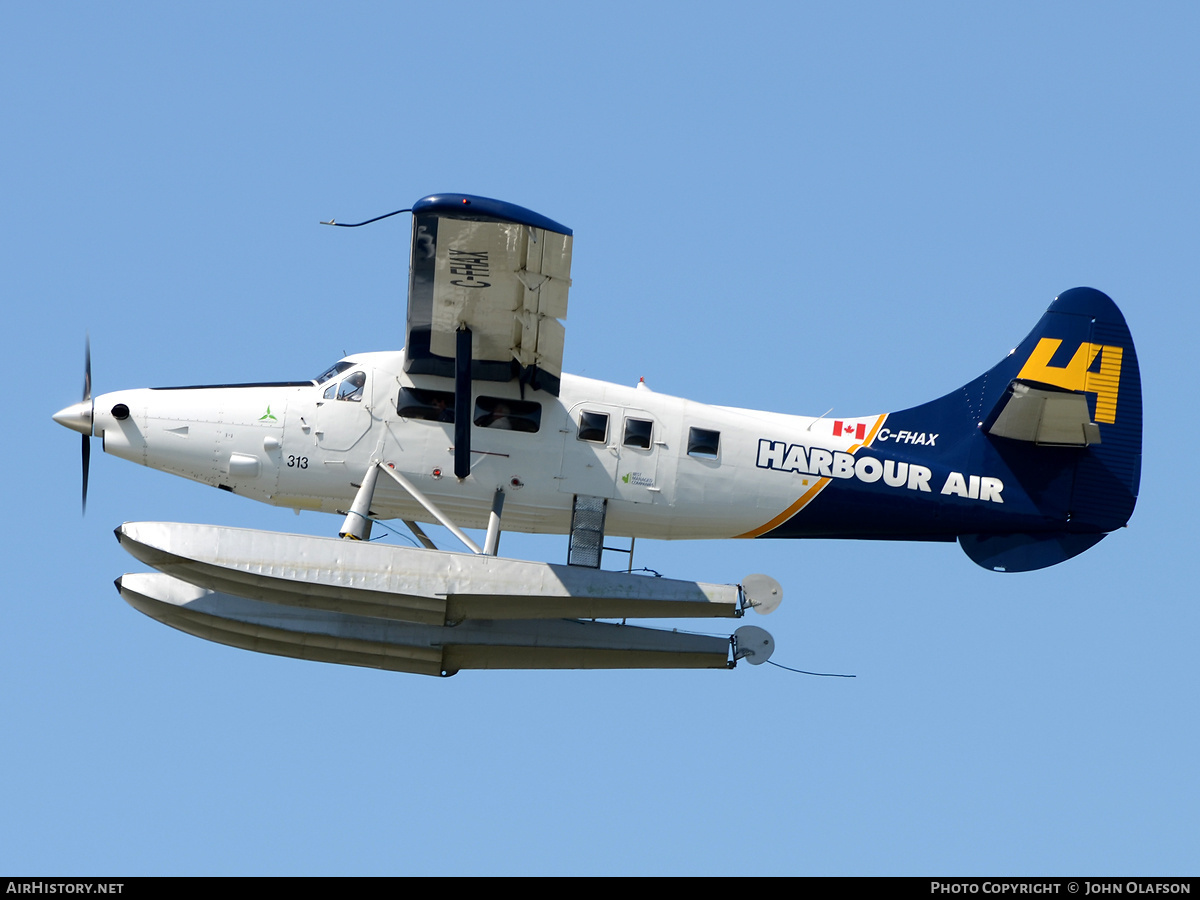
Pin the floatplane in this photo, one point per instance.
(474, 425)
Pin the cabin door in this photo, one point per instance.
(610, 451)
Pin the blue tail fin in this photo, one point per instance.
(1026, 466)
(1062, 414)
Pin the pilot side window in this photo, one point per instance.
(352, 387)
(508, 415)
(637, 433)
(593, 426)
(432, 406)
(703, 443)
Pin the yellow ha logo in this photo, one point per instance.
(1077, 375)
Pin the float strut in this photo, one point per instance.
(491, 544)
(419, 534)
(357, 526)
(431, 508)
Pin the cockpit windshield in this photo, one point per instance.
(333, 371)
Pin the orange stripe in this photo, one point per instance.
(805, 498)
(808, 496)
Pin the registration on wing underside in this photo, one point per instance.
(505, 281)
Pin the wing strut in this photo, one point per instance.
(462, 403)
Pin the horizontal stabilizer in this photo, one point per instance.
(1046, 417)
(1024, 552)
(352, 640)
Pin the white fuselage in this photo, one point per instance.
(653, 456)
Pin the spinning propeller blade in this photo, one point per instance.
(79, 416)
(87, 397)
(87, 460)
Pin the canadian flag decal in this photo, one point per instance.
(859, 431)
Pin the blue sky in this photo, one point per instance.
(858, 206)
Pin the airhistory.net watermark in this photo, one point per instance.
(64, 887)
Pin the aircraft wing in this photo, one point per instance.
(497, 269)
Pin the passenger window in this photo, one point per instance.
(703, 443)
(352, 387)
(637, 433)
(508, 415)
(593, 426)
(432, 406)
